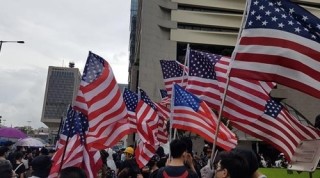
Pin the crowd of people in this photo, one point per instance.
(180, 162)
(23, 162)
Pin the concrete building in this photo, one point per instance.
(61, 90)
(122, 87)
(165, 27)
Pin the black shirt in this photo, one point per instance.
(176, 171)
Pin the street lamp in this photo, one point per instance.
(9, 42)
(29, 127)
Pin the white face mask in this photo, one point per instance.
(123, 157)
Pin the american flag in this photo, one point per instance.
(272, 126)
(202, 78)
(172, 73)
(112, 133)
(165, 100)
(72, 146)
(162, 111)
(164, 114)
(192, 114)
(163, 135)
(131, 100)
(99, 97)
(245, 105)
(144, 152)
(147, 119)
(280, 42)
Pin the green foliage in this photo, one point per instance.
(283, 173)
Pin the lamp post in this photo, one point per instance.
(28, 127)
(9, 42)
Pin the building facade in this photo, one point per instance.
(61, 90)
(165, 27)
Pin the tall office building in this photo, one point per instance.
(61, 90)
(165, 27)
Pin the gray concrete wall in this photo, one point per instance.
(154, 46)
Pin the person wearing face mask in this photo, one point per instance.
(129, 167)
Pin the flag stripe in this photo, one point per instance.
(270, 138)
(192, 114)
(100, 93)
(112, 135)
(144, 153)
(71, 147)
(147, 120)
(296, 51)
(272, 55)
(294, 82)
(245, 107)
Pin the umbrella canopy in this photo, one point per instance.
(5, 142)
(9, 132)
(30, 142)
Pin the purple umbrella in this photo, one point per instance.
(9, 132)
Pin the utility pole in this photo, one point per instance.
(29, 127)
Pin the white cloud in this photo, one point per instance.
(55, 32)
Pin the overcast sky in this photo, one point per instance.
(55, 33)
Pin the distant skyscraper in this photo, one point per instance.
(61, 89)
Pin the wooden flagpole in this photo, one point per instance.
(67, 141)
(59, 130)
(171, 116)
(226, 89)
(186, 61)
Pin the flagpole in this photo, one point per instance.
(139, 94)
(240, 31)
(186, 61)
(67, 141)
(219, 121)
(59, 130)
(139, 98)
(226, 89)
(171, 115)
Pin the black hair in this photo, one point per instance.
(72, 172)
(3, 150)
(188, 142)
(160, 151)
(18, 155)
(236, 165)
(177, 148)
(44, 151)
(5, 169)
(153, 161)
(250, 157)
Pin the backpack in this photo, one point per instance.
(184, 175)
